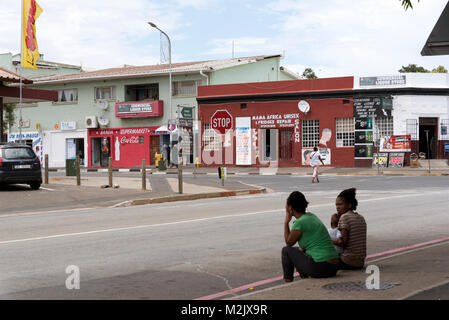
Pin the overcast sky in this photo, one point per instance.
(334, 37)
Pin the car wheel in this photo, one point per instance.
(35, 185)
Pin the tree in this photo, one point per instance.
(439, 69)
(407, 4)
(413, 68)
(309, 74)
(9, 117)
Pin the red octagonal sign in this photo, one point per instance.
(221, 121)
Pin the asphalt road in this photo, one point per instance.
(192, 249)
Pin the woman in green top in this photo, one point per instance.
(316, 256)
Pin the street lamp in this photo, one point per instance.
(169, 66)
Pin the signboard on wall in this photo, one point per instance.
(362, 137)
(363, 151)
(243, 141)
(396, 160)
(383, 81)
(139, 109)
(396, 144)
(371, 107)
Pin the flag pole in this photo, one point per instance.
(20, 72)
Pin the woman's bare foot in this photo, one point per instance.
(313, 180)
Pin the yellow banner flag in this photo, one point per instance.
(30, 52)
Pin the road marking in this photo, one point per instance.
(48, 189)
(268, 281)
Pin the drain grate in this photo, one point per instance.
(358, 286)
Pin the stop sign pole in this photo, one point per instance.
(221, 122)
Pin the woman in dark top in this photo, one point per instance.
(316, 256)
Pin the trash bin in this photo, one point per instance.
(414, 161)
(157, 159)
(70, 167)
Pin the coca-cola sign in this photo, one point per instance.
(130, 140)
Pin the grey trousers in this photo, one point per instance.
(293, 258)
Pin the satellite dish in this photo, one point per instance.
(103, 121)
(102, 104)
(303, 106)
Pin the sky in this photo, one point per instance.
(333, 37)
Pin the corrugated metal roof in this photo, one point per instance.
(8, 76)
(142, 71)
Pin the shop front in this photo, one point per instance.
(279, 128)
(126, 146)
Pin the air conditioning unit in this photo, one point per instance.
(91, 122)
(102, 104)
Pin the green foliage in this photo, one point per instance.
(407, 4)
(439, 69)
(413, 68)
(8, 115)
(309, 74)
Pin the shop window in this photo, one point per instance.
(412, 128)
(444, 133)
(383, 127)
(310, 133)
(105, 93)
(344, 132)
(211, 140)
(185, 88)
(68, 95)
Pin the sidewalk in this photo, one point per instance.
(402, 276)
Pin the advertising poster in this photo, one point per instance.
(380, 160)
(363, 151)
(243, 141)
(325, 154)
(396, 144)
(363, 137)
(396, 160)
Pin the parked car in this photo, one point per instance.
(19, 164)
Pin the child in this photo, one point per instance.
(334, 232)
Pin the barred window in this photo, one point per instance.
(345, 132)
(185, 88)
(310, 133)
(211, 140)
(444, 129)
(383, 127)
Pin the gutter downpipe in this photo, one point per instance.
(196, 134)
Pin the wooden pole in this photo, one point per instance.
(144, 175)
(46, 170)
(110, 172)
(78, 171)
(1, 119)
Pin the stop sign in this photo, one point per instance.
(221, 121)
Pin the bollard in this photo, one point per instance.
(46, 170)
(110, 172)
(180, 175)
(144, 175)
(78, 171)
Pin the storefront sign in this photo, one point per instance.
(383, 81)
(446, 147)
(68, 125)
(362, 137)
(396, 144)
(243, 141)
(380, 160)
(139, 109)
(371, 107)
(275, 121)
(396, 160)
(363, 151)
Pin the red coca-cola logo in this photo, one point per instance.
(131, 140)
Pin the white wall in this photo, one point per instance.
(55, 146)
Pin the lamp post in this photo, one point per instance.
(169, 66)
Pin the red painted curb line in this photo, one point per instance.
(267, 281)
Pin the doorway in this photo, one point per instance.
(101, 151)
(287, 146)
(270, 143)
(155, 144)
(428, 136)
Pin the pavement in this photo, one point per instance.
(421, 274)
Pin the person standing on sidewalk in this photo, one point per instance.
(316, 256)
(353, 231)
(315, 160)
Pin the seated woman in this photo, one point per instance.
(316, 256)
(353, 231)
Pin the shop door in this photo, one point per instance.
(286, 145)
(428, 135)
(101, 151)
(154, 147)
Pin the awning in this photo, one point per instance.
(164, 130)
(438, 41)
